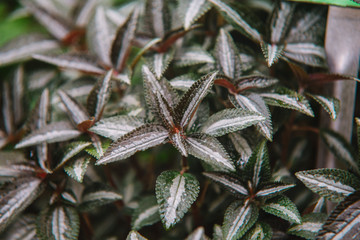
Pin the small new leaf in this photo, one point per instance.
(77, 168)
(134, 235)
(71, 150)
(197, 234)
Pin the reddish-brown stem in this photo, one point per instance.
(184, 165)
(305, 128)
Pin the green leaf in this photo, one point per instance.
(147, 213)
(331, 105)
(60, 222)
(24, 228)
(192, 10)
(239, 218)
(77, 168)
(158, 63)
(273, 189)
(197, 234)
(230, 120)
(309, 227)
(95, 151)
(242, 146)
(260, 231)
(175, 193)
(281, 206)
(217, 235)
(72, 149)
(340, 147)
(333, 184)
(96, 195)
(230, 182)
(343, 222)
(134, 235)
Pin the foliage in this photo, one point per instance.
(118, 116)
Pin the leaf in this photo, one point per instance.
(307, 53)
(260, 231)
(77, 168)
(75, 110)
(80, 62)
(333, 184)
(97, 194)
(281, 206)
(210, 150)
(24, 228)
(227, 55)
(18, 94)
(95, 151)
(242, 147)
(193, 56)
(231, 183)
(140, 139)
(192, 11)
(7, 110)
(191, 100)
(257, 169)
(121, 46)
(147, 213)
(340, 147)
(159, 62)
(175, 193)
(15, 169)
(182, 82)
(343, 222)
(331, 105)
(54, 132)
(166, 113)
(230, 120)
(237, 20)
(134, 235)
(288, 99)
(280, 21)
(23, 47)
(60, 222)
(239, 218)
(272, 52)
(16, 196)
(197, 234)
(254, 81)
(178, 142)
(158, 13)
(309, 227)
(273, 189)
(72, 150)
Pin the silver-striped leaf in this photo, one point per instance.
(76, 111)
(255, 81)
(24, 228)
(333, 184)
(16, 196)
(309, 227)
(157, 12)
(58, 222)
(134, 235)
(230, 120)
(330, 105)
(179, 143)
(242, 146)
(72, 149)
(159, 62)
(183, 82)
(281, 206)
(197, 234)
(210, 150)
(192, 10)
(307, 53)
(273, 189)
(260, 231)
(240, 216)
(23, 47)
(13, 169)
(53, 132)
(139, 139)
(77, 168)
(147, 213)
(94, 149)
(272, 52)
(116, 126)
(230, 182)
(165, 111)
(18, 94)
(344, 221)
(193, 56)
(175, 193)
(98, 194)
(280, 21)
(7, 109)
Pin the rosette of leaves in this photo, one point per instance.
(255, 190)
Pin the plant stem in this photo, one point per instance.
(184, 165)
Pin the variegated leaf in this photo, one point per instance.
(310, 225)
(307, 53)
(333, 184)
(260, 231)
(227, 55)
(288, 99)
(192, 11)
(99, 96)
(7, 109)
(16, 196)
(197, 234)
(242, 146)
(230, 182)
(179, 143)
(257, 168)
(117, 126)
(75, 110)
(230, 120)
(239, 218)
(17, 169)
(77, 168)
(210, 150)
(120, 49)
(183, 82)
(331, 105)
(284, 208)
(237, 20)
(147, 213)
(280, 21)
(72, 150)
(255, 81)
(96, 195)
(24, 228)
(86, 10)
(175, 193)
(217, 235)
(340, 148)
(273, 189)
(18, 94)
(159, 62)
(134, 235)
(193, 56)
(54, 132)
(158, 13)
(166, 112)
(272, 52)
(94, 149)
(344, 221)
(191, 100)
(58, 222)
(139, 139)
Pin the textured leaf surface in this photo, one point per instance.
(309, 227)
(333, 184)
(344, 221)
(96, 195)
(260, 231)
(255, 81)
(76, 111)
(284, 208)
(272, 52)
(159, 62)
(197, 234)
(183, 82)
(280, 21)
(331, 105)
(147, 213)
(24, 228)
(54, 132)
(239, 217)
(230, 120)
(134, 235)
(72, 150)
(230, 182)
(273, 189)
(193, 56)
(140, 139)
(77, 168)
(158, 13)
(308, 53)
(117, 126)
(193, 10)
(59, 223)
(242, 146)
(16, 196)
(210, 150)
(175, 193)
